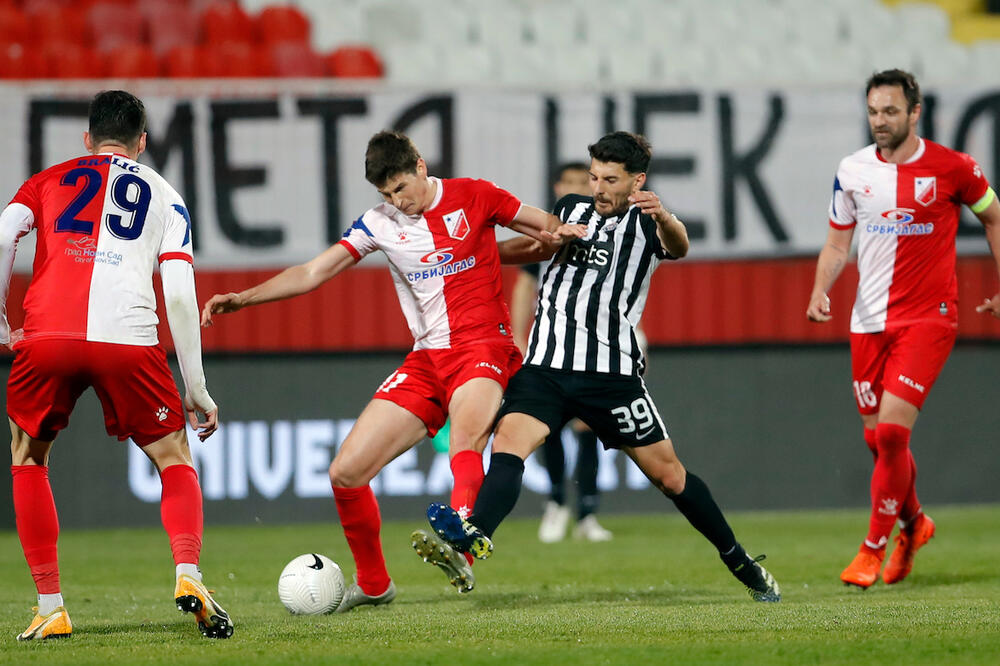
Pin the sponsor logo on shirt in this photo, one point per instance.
(84, 251)
(925, 190)
(442, 269)
(900, 222)
(589, 254)
(438, 257)
(457, 224)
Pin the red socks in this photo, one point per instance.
(37, 524)
(891, 482)
(870, 441)
(181, 512)
(362, 523)
(467, 469)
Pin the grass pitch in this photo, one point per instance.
(657, 593)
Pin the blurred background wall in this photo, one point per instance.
(259, 115)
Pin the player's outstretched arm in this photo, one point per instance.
(181, 304)
(990, 217)
(671, 231)
(831, 262)
(290, 282)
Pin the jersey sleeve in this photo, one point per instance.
(176, 242)
(358, 239)
(500, 205)
(27, 195)
(842, 213)
(972, 188)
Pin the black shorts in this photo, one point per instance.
(617, 407)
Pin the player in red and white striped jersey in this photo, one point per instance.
(103, 222)
(902, 195)
(438, 235)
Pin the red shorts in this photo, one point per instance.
(134, 384)
(428, 378)
(905, 362)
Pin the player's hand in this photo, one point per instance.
(220, 304)
(15, 337)
(564, 233)
(649, 204)
(208, 408)
(819, 308)
(989, 306)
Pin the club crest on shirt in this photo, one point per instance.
(925, 190)
(457, 224)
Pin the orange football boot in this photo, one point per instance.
(54, 625)
(908, 542)
(863, 570)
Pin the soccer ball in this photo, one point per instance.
(311, 584)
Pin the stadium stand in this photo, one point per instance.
(520, 42)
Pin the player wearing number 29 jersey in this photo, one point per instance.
(103, 223)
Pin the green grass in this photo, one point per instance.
(657, 593)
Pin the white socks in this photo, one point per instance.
(49, 602)
(191, 570)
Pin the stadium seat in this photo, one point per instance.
(938, 63)
(355, 62)
(467, 64)
(188, 61)
(69, 60)
(17, 62)
(389, 23)
(923, 22)
(14, 26)
(170, 25)
(132, 61)
(113, 25)
(225, 21)
(333, 27)
(55, 23)
(278, 24)
(239, 59)
(295, 59)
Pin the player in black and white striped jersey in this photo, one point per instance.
(584, 360)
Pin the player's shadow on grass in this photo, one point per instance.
(553, 596)
(172, 628)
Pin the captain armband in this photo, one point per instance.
(984, 201)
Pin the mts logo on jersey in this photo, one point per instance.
(457, 224)
(589, 254)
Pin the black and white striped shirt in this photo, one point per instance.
(592, 294)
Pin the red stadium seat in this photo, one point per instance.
(225, 21)
(357, 61)
(13, 25)
(64, 25)
(18, 62)
(72, 61)
(114, 25)
(169, 25)
(240, 60)
(281, 23)
(296, 59)
(190, 61)
(132, 61)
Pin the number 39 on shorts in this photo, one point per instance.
(392, 381)
(636, 415)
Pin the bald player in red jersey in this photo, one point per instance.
(103, 222)
(902, 195)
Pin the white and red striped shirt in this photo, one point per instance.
(444, 263)
(103, 224)
(906, 218)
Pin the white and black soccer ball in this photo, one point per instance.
(311, 584)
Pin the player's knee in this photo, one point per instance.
(342, 476)
(891, 439)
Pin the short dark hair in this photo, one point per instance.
(558, 172)
(897, 77)
(116, 115)
(631, 150)
(389, 154)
